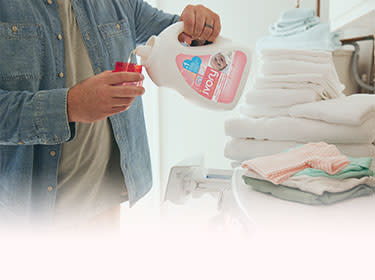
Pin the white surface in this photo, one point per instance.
(273, 215)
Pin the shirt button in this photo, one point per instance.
(61, 75)
(14, 28)
(50, 188)
(59, 37)
(118, 26)
(52, 153)
(50, 2)
(21, 143)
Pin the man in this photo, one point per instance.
(73, 142)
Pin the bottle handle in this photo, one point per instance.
(177, 28)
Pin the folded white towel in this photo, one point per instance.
(348, 110)
(320, 57)
(245, 149)
(300, 130)
(311, 59)
(285, 67)
(289, 67)
(319, 185)
(323, 86)
(296, 52)
(259, 111)
(351, 110)
(281, 97)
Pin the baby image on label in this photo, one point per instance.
(221, 61)
(215, 77)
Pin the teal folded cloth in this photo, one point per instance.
(294, 21)
(318, 37)
(296, 15)
(358, 168)
(296, 195)
(283, 31)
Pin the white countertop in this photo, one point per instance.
(270, 214)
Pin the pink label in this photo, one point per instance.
(215, 77)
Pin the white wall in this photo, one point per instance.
(186, 130)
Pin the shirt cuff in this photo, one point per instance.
(51, 117)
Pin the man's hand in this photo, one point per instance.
(101, 96)
(200, 23)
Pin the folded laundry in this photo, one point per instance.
(294, 21)
(285, 67)
(279, 167)
(296, 195)
(245, 149)
(310, 59)
(280, 30)
(295, 14)
(290, 67)
(281, 97)
(317, 56)
(351, 110)
(357, 168)
(259, 111)
(318, 37)
(300, 130)
(323, 86)
(319, 185)
(348, 110)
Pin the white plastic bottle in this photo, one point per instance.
(212, 76)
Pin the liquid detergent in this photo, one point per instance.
(212, 76)
(129, 67)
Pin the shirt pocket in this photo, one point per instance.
(21, 53)
(118, 40)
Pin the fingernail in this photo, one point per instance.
(142, 77)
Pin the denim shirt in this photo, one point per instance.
(33, 97)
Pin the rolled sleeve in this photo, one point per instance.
(150, 21)
(35, 118)
(51, 117)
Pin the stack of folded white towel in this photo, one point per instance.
(297, 98)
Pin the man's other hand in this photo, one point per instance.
(102, 96)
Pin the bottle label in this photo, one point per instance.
(215, 77)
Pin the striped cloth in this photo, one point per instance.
(279, 167)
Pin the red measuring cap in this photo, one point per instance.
(129, 67)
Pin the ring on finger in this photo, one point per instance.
(209, 25)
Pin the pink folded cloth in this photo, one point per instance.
(279, 167)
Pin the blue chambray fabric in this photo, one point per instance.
(33, 115)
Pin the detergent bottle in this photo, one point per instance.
(212, 76)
